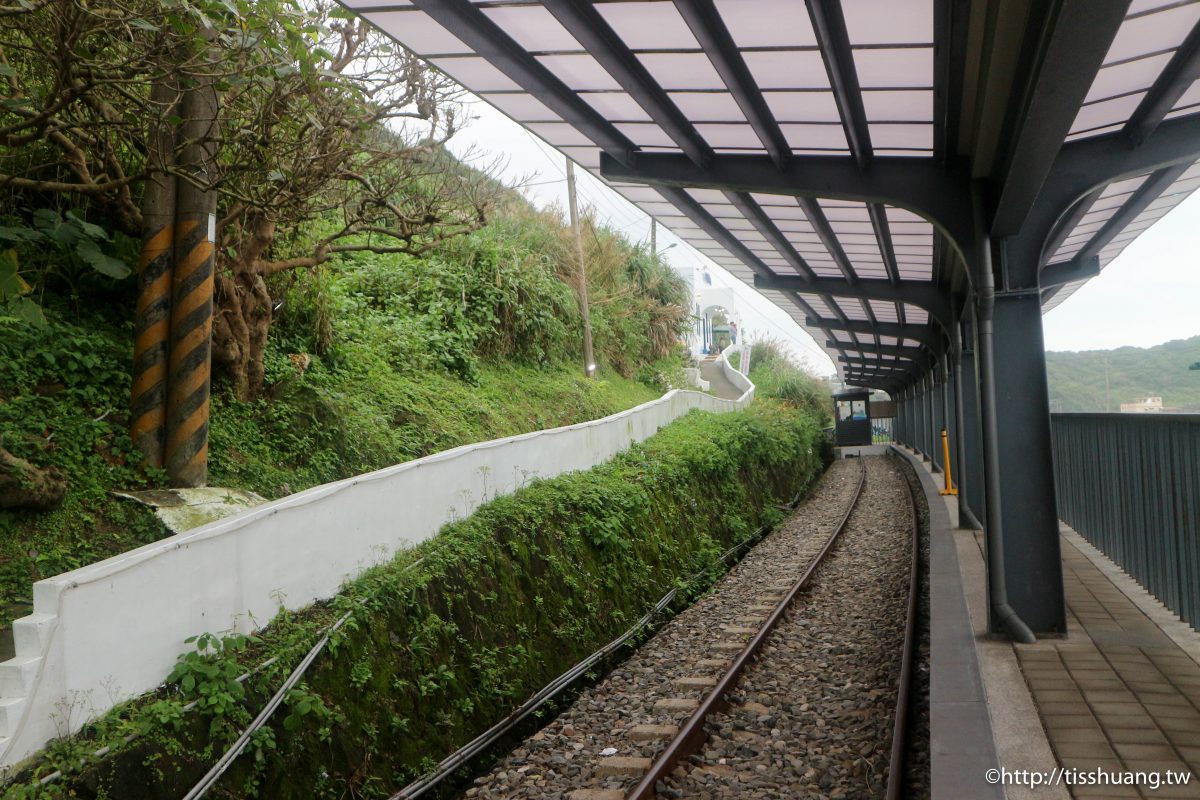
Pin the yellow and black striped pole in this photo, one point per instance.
(148, 395)
(190, 361)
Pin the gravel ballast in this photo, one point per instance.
(811, 716)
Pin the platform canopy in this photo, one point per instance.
(840, 156)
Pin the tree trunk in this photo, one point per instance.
(242, 323)
(22, 485)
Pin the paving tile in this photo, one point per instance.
(1063, 709)
(1183, 738)
(1091, 764)
(1088, 792)
(1156, 752)
(1126, 721)
(1097, 749)
(1116, 708)
(1057, 696)
(1112, 696)
(1191, 790)
(1178, 710)
(1180, 724)
(1136, 735)
(1069, 721)
(1092, 734)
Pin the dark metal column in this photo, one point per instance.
(919, 416)
(950, 417)
(938, 408)
(930, 391)
(971, 492)
(1027, 504)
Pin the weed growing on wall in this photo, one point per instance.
(445, 640)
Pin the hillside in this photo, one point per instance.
(1100, 380)
(372, 360)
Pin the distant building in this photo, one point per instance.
(1143, 405)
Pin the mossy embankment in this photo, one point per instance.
(448, 638)
(372, 361)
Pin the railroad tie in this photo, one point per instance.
(652, 733)
(596, 794)
(622, 767)
(676, 704)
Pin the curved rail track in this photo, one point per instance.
(691, 735)
(664, 687)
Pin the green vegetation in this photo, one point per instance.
(1100, 380)
(775, 373)
(449, 637)
(375, 360)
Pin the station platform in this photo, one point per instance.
(1119, 694)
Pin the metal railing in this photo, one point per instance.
(1130, 485)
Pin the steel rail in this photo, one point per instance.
(691, 734)
(896, 762)
(486, 740)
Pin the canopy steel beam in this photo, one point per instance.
(500, 50)
(588, 26)
(1084, 165)
(816, 217)
(749, 208)
(917, 333)
(925, 295)
(1153, 188)
(710, 31)
(950, 35)
(880, 349)
(864, 362)
(1068, 222)
(1073, 37)
(939, 193)
(810, 311)
(1078, 268)
(829, 25)
(883, 238)
(1181, 71)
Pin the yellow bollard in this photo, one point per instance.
(946, 465)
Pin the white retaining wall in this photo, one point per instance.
(112, 630)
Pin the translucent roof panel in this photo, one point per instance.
(881, 22)
(1142, 48)
(892, 55)
(767, 23)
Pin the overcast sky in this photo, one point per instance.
(1148, 295)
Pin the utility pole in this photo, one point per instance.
(148, 395)
(589, 362)
(190, 357)
(653, 237)
(1107, 404)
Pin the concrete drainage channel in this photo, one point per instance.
(768, 686)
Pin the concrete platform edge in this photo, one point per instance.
(962, 746)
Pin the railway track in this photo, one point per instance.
(676, 720)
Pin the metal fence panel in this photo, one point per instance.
(1130, 485)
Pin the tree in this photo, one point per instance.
(330, 137)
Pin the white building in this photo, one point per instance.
(1143, 405)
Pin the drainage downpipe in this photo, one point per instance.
(997, 589)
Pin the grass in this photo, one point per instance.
(64, 394)
(447, 638)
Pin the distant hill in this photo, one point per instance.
(1100, 380)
